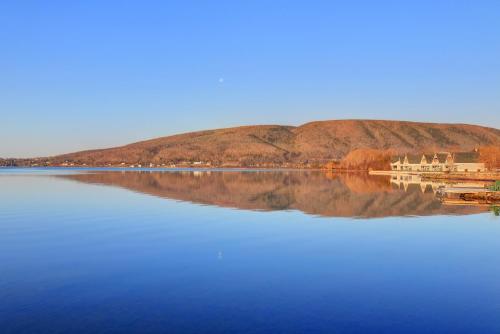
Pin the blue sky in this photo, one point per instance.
(86, 74)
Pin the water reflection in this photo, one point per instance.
(312, 192)
(403, 181)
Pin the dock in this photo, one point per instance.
(456, 195)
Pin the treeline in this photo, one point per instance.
(490, 155)
(8, 162)
(366, 159)
(361, 159)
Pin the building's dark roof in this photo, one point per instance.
(442, 157)
(429, 157)
(466, 157)
(459, 157)
(414, 158)
(395, 159)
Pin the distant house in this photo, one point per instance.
(438, 162)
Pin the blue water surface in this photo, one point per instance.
(92, 258)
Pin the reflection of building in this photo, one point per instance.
(404, 180)
(438, 162)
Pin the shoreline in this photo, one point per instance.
(167, 168)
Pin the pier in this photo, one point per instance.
(457, 195)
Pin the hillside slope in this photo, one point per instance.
(276, 144)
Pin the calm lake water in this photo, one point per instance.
(107, 251)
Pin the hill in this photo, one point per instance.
(277, 145)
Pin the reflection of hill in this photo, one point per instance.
(310, 192)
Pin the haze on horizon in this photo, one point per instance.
(81, 75)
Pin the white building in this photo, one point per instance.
(438, 162)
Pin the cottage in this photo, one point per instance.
(412, 162)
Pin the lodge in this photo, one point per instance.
(438, 162)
